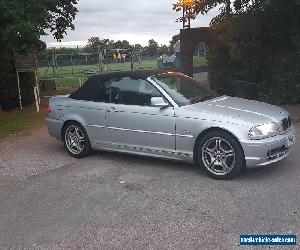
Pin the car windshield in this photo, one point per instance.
(184, 90)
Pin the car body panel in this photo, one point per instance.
(141, 127)
(241, 109)
(171, 132)
(92, 115)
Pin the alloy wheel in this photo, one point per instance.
(74, 139)
(218, 156)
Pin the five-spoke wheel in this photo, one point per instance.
(220, 155)
(76, 140)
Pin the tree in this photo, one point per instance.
(138, 48)
(122, 45)
(227, 7)
(95, 43)
(253, 40)
(22, 23)
(193, 8)
(174, 40)
(163, 49)
(152, 48)
(258, 45)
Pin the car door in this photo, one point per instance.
(89, 108)
(133, 124)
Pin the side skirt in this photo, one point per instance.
(156, 153)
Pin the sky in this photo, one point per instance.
(137, 21)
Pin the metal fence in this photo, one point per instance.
(73, 73)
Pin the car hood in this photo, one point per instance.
(251, 111)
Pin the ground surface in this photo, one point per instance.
(49, 200)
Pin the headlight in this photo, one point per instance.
(263, 131)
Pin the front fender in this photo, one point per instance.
(188, 130)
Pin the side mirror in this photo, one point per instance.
(158, 102)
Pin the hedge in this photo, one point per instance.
(263, 48)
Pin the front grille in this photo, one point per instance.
(286, 123)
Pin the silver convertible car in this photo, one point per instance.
(170, 115)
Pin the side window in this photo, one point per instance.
(103, 92)
(132, 91)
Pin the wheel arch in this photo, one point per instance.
(66, 122)
(208, 130)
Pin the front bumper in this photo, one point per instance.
(269, 150)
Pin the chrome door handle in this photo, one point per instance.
(112, 109)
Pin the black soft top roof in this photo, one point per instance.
(89, 89)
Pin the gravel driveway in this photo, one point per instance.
(49, 200)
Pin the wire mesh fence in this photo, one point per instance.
(73, 71)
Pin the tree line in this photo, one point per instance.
(256, 41)
(97, 45)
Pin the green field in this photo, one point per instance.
(17, 121)
(73, 76)
(70, 76)
(199, 61)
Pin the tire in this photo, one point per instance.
(220, 155)
(76, 140)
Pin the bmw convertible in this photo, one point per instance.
(170, 115)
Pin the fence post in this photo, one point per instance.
(19, 90)
(37, 86)
(36, 99)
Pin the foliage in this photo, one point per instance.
(163, 49)
(96, 44)
(174, 40)
(193, 8)
(261, 46)
(9, 96)
(152, 48)
(8, 81)
(23, 22)
(253, 40)
(21, 25)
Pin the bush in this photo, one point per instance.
(8, 83)
(261, 47)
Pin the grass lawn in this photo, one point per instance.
(72, 74)
(16, 121)
(199, 61)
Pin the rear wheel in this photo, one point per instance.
(220, 155)
(76, 140)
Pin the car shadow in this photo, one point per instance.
(264, 172)
(139, 160)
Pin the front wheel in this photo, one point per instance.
(76, 140)
(220, 155)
